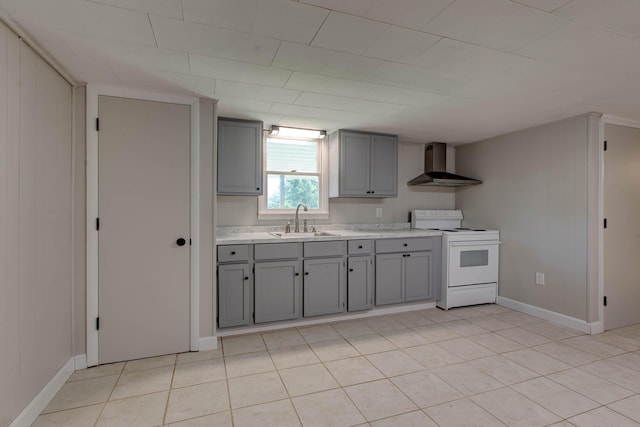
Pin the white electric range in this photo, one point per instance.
(469, 258)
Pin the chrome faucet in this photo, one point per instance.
(297, 226)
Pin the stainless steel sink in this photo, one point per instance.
(302, 235)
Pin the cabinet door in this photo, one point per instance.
(384, 166)
(417, 278)
(389, 279)
(354, 164)
(324, 286)
(239, 157)
(235, 295)
(277, 291)
(360, 283)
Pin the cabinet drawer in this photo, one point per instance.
(266, 251)
(323, 249)
(360, 247)
(404, 245)
(231, 253)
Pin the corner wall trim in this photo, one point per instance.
(551, 316)
(80, 361)
(208, 343)
(42, 399)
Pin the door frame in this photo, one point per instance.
(93, 94)
(612, 120)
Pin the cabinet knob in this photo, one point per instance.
(359, 246)
(296, 274)
(368, 192)
(258, 188)
(306, 273)
(405, 245)
(233, 252)
(408, 254)
(246, 277)
(351, 269)
(373, 192)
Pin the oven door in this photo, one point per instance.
(473, 262)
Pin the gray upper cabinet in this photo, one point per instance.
(239, 157)
(363, 164)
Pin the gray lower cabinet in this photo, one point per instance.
(324, 286)
(360, 283)
(407, 269)
(277, 291)
(235, 295)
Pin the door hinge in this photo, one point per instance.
(605, 223)
(97, 323)
(605, 301)
(97, 124)
(97, 223)
(605, 146)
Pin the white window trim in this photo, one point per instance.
(321, 213)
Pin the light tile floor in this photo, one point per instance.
(472, 366)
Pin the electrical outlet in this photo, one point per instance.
(378, 212)
(539, 278)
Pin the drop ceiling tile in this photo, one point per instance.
(301, 57)
(250, 91)
(544, 5)
(348, 33)
(467, 62)
(348, 104)
(349, 66)
(401, 45)
(169, 8)
(320, 113)
(288, 20)
(80, 16)
(409, 76)
(233, 14)
(468, 20)
(148, 78)
(207, 40)
(352, 7)
(225, 69)
(127, 53)
(328, 85)
(407, 13)
(239, 104)
(402, 96)
(622, 19)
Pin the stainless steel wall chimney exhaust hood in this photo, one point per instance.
(435, 169)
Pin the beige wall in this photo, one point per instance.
(79, 222)
(243, 210)
(535, 191)
(35, 224)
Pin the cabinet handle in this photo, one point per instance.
(296, 274)
(351, 269)
(408, 254)
(368, 192)
(246, 278)
(373, 192)
(258, 188)
(359, 246)
(306, 273)
(405, 245)
(233, 252)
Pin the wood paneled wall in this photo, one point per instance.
(35, 224)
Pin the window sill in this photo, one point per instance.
(291, 215)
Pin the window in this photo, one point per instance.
(293, 174)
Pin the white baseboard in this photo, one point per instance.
(376, 311)
(80, 361)
(37, 405)
(597, 327)
(551, 316)
(207, 343)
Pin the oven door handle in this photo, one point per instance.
(485, 243)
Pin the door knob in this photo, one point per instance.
(181, 242)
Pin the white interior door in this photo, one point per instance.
(143, 205)
(622, 236)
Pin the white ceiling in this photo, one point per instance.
(448, 70)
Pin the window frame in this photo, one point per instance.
(322, 212)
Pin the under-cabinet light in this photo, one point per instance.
(296, 132)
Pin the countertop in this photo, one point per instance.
(251, 235)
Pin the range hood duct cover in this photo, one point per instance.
(435, 169)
